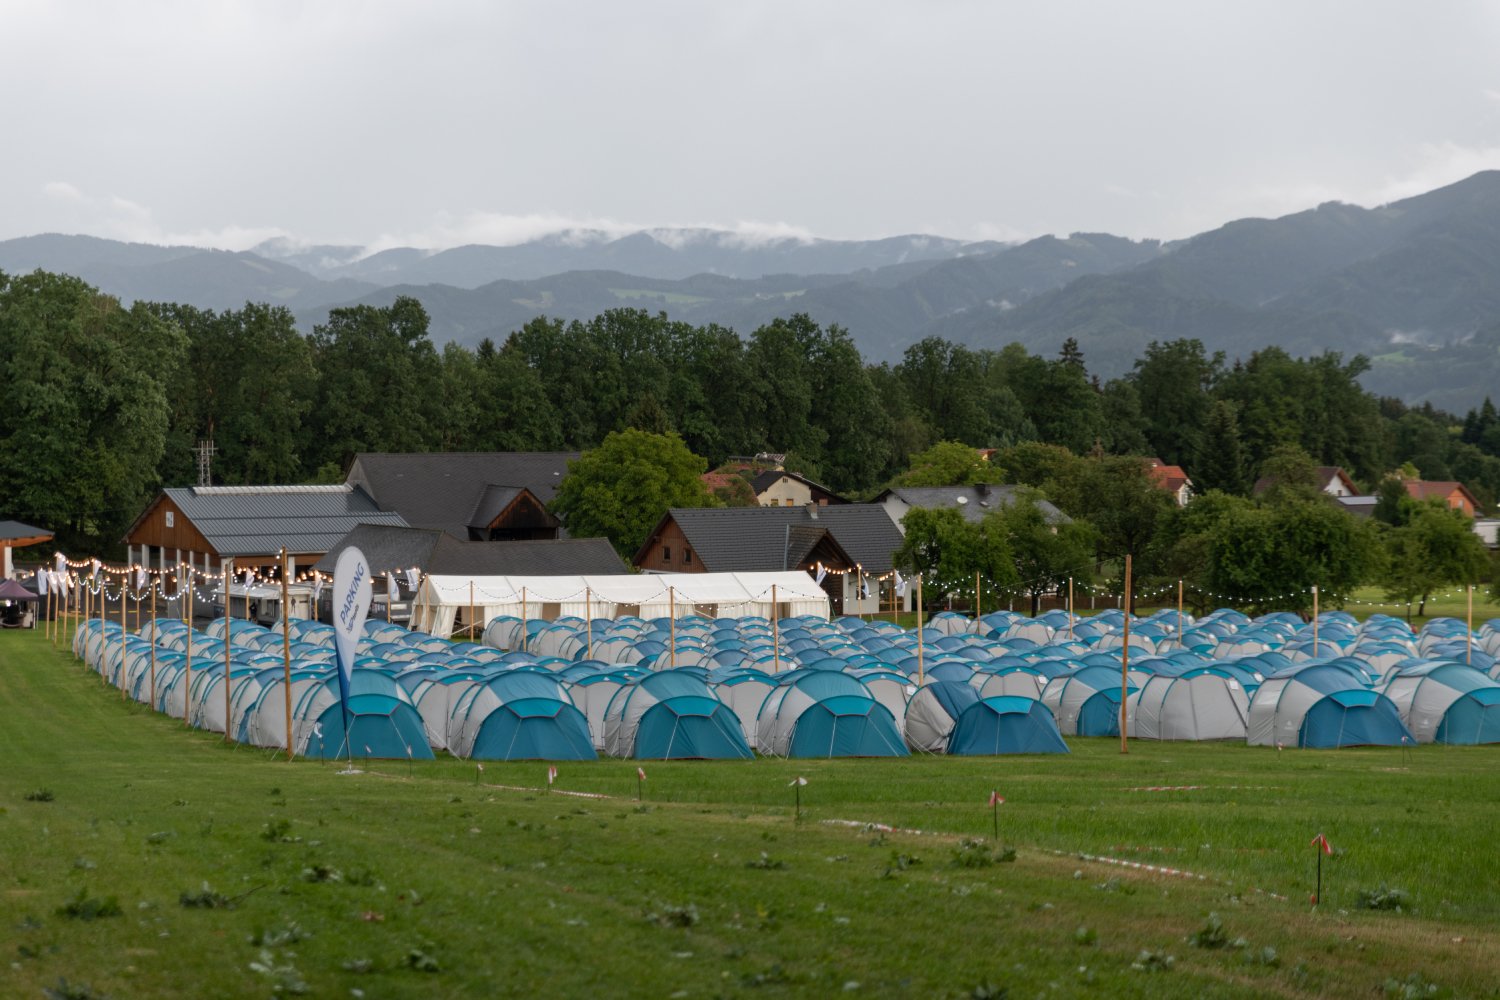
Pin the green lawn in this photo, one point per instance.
(418, 882)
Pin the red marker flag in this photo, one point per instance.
(640, 773)
(1322, 841)
(551, 775)
(995, 798)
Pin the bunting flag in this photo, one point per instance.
(996, 799)
(1321, 842)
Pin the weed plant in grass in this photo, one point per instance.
(233, 873)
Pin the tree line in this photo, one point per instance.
(103, 403)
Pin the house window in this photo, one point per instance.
(687, 556)
(666, 554)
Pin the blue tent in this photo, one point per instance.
(672, 715)
(521, 715)
(384, 723)
(827, 714)
(1006, 724)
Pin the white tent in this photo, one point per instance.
(440, 600)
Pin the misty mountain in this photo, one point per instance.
(209, 279)
(659, 253)
(1404, 284)
(1414, 285)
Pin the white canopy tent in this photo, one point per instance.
(442, 600)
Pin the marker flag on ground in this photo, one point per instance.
(996, 799)
(640, 772)
(1322, 842)
(351, 603)
(551, 775)
(796, 781)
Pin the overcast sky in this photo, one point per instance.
(434, 124)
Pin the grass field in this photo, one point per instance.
(140, 859)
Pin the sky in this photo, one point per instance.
(437, 123)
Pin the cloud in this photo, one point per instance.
(1439, 164)
(116, 217)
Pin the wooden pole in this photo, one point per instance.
(525, 636)
(471, 612)
(1125, 660)
(286, 654)
(1469, 631)
(921, 666)
(859, 590)
(672, 627)
(187, 672)
(976, 595)
(588, 620)
(153, 647)
(124, 582)
(1070, 609)
(1315, 620)
(228, 569)
(775, 632)
(1179, 614)
(47, 611)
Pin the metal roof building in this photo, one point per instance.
(204, 525)
(481, 495)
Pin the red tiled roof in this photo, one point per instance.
(1169, 477)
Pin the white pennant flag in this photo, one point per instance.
(822, 572)
(140, 578)
(412, 579)
(62, 562)
(900, 585)
(392, 588)
(42, 580)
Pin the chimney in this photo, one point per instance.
(812, 511)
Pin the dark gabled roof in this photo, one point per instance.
(755, 539)
(386, 547)
(431, 551)
(973, 501)
(14, 531)
(539, 557)
(492, 503)
(444, 489)
(259, 520)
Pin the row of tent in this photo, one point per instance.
(846, 688)
(412, 693)
(1274, 680)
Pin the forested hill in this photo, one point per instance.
(1414, 285)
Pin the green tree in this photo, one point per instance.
(1220, 461)
(1435, 547)
(380, 381)
(1174, 380)
(620, 489)
(84, 389)
(1045, 555)
(1392, 506)
(948, 463)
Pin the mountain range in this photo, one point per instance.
(1413, 284)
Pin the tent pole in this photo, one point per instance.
(1125, 658)
(921, 665)
(286, 653)
(228, 568)
(775, 632)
